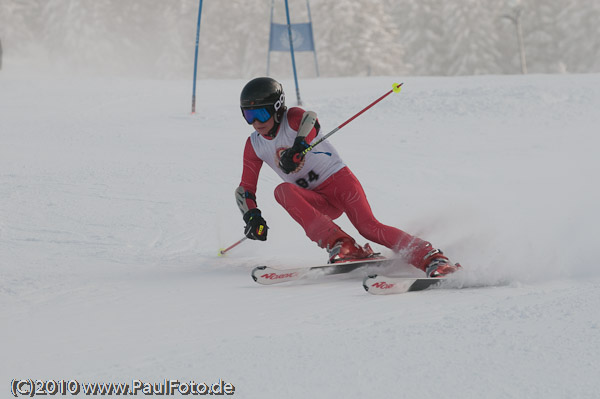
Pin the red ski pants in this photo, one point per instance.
(342, 193)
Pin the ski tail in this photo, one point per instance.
(383, 285)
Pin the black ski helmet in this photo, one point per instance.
(264, 92)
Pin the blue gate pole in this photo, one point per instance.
(196, 59)
(289, 24)
(270, 33)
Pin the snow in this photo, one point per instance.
(156, 38)
(114, 201)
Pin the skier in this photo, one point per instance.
(318, 187)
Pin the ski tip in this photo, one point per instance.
(365, 285)
(257, 268)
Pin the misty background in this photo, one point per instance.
(156, 38)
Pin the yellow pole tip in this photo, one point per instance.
(221, 253)
(396, 87)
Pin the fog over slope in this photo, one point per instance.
(155, 38)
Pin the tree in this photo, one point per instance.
(19, 25)
(155, 38)
(420, 26)
(357, 38)
(471, 47)
(578, 39)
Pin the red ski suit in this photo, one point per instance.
(315, 208)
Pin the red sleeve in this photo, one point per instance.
(294, 116)
(250, 172)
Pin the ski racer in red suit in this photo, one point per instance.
(318, 187)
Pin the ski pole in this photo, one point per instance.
(395, 89)
(223, 251)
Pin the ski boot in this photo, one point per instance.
(346, 249)
(438, 265)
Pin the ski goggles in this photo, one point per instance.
(260, 114)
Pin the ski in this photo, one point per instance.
(267, 275)
(383, 285)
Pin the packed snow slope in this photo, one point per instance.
(114, 201)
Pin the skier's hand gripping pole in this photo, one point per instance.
(395, 89)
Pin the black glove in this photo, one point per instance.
(290, 159)
(256, 227)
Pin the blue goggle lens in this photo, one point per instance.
(260, 114)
